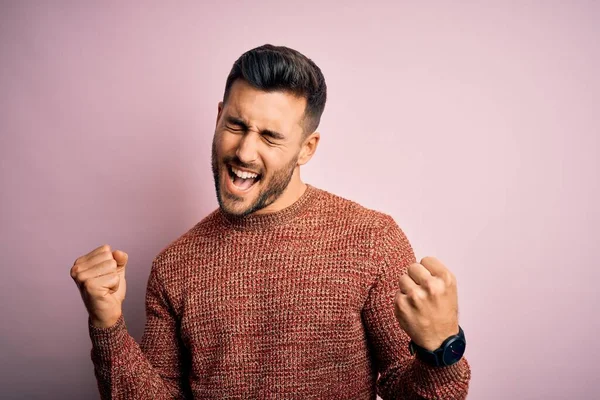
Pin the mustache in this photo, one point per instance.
(234, 160)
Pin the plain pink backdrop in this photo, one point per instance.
(476, 126)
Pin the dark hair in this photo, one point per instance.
(272, 68)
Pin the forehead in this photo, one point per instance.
(277, 110)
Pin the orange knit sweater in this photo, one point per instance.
(297, 304)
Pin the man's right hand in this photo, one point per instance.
(100, 277)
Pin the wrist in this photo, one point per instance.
(448, 353)
(104, 323)
(431, 344)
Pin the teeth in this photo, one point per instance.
(243, 174)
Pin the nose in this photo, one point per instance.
(246, 150)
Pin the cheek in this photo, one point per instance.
(275, 160)
(226, 143)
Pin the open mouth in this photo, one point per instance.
(242, 180)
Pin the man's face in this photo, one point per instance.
(255, 147)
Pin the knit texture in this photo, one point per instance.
(297, 304)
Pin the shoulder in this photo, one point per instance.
(351, 213)
(376, 232)
(177, 256)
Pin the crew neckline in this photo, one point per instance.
(262, 221)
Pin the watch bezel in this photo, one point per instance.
(448, 355)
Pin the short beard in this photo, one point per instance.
(275, 187)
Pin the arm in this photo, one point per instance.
(402, 375)
(152, 370)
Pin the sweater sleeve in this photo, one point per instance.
(152, 370)
(402, 376)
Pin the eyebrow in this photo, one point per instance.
(243, 124)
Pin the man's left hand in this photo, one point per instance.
(427, 303)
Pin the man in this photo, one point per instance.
(285, 291)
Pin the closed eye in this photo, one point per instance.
(235, 129)
(238, 125)
(269, 139)
(272, 135)
(235, 124)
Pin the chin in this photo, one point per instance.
(234, 206)
(237, 210)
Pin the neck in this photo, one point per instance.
(266, 220)
(290, 195)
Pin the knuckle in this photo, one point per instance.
(448, 277)
(104, 261)
(411, 299)
(86, 285)
(427, 283)
(405, 281)
(114, 279)
(435, 290)
(397, 296)
(418, 294)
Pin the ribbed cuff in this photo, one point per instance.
(108, 342)
(455, 373)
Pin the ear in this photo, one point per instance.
(308, 148)
(219, 112)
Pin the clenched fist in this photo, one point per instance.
(427, 303)
(100, 277)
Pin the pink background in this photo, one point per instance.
(476, 126)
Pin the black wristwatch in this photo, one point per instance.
(450, 352)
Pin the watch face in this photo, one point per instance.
(454, 351)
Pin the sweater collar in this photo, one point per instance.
(263, 221)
